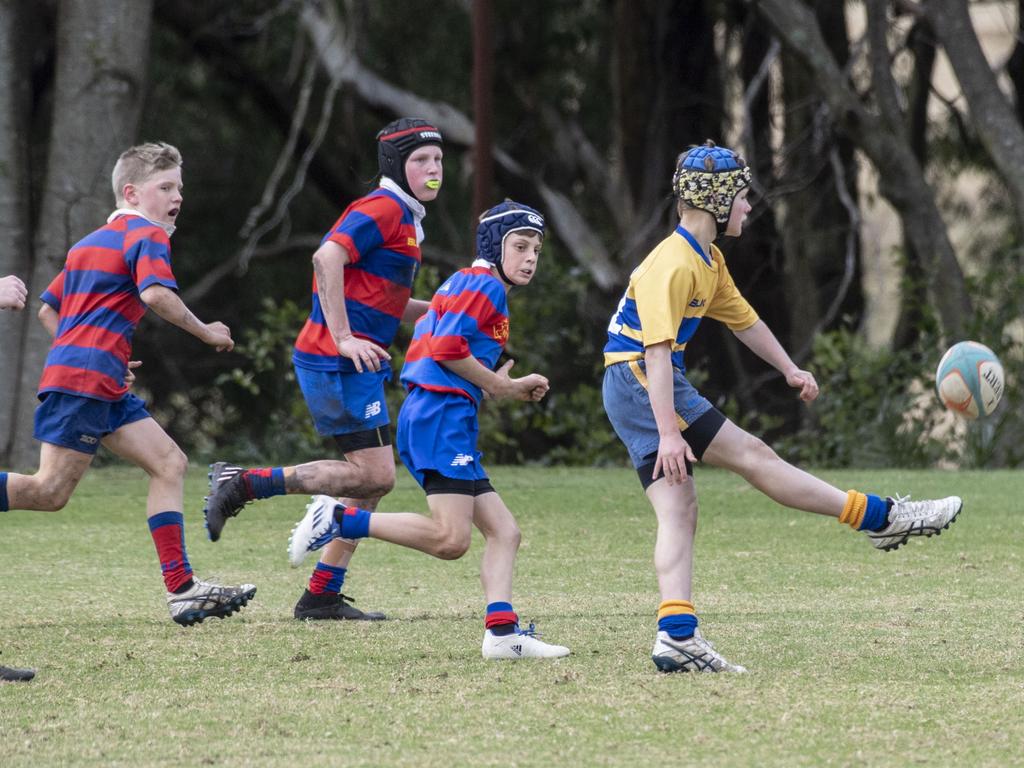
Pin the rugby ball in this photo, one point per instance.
(969, 379)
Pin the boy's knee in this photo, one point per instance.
(758, 451)
(53, 495)
(453, 546)
(377, 481)
(173, 464)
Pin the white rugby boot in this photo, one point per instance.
(314, 530)
(694, 654)
(915, 518)
(206, 601)
(520, 644)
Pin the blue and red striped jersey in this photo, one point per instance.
(379, 233)
(468, 316)
(96, 297)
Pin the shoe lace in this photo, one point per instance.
(530, 631)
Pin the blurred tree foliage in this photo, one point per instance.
(592, 102)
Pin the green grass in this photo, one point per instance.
(856, 656)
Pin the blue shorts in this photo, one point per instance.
(343, 403)
(628, 406)
(79, 423)
(438, 431)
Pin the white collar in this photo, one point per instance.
(418, 211)
(168, 228)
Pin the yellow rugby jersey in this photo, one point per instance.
(673, 288)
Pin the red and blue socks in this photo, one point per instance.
(168, 532)
(678, 618)
(264, 483)
(865, 511)
(326, 578)
(354, 522)
(501, 619)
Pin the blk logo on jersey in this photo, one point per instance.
(461, 460)
(698, 303)
(373, 409)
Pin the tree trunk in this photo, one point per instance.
(993, 116)
(102, 53)
(15, 226)
(901, 179)
(816, 226)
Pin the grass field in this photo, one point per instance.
(856, 656)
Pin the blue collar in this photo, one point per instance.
(693, 242)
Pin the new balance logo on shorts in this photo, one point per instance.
(373, 409)
(461, 460)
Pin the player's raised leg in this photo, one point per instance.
(888, 521)
(60, 470)
(189, 599)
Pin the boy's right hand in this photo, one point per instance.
(531, 387)
(218, 336)
(362, 352)
(12, 292)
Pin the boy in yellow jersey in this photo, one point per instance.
(667, 425)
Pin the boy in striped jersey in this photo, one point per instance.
(362, 290)
(666, 424)
(92, 309)
(449, 367)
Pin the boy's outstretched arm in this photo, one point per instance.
(498, 384)
(762, 342)
(171, 308)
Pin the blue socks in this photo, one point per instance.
(876, 516)
(501, 619)
(266, 482)
(326, 578)
(4, 504)
(354, 522)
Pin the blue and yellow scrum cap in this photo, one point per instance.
(709, 177)
(399, 139)
(498, 223)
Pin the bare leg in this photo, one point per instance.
(502, 537)
(145, 444)
(445, 534)
(376, 470)
(60, 470)
(759, 465)
(367, 473)
(676, 509)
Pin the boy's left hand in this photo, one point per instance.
(129, 376)
(804, 381)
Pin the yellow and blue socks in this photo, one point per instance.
(168, 532)
(501, 619)
(326, 578)
(354, 522)
(678, 618)
(865, 511)
(264, 483)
